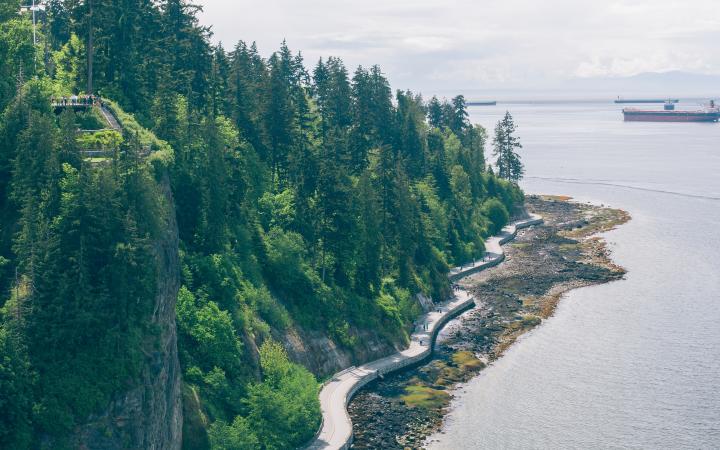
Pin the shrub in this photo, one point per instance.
(497, 214)
(284, 408)
(236, 436)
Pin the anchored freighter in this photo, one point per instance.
(645, 100)
(669, 114)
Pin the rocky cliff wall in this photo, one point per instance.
(149, 416)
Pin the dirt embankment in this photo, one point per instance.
(542, 263)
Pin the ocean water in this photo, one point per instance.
(630, 364)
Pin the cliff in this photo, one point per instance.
(322, 356)
(149, 415)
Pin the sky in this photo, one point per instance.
(438, 46)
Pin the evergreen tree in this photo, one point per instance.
(411, 141)
(16, 398)
(458, 120)
(319, 204)
(508, 162)
(435, 113)
(248, 91)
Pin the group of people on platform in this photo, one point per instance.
(76, 100)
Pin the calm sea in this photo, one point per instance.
(630, 364)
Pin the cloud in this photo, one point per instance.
(431, 45)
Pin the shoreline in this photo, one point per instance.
(336, 428)
(543, 264)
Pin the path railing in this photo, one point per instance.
(336, 427)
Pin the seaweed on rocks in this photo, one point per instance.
(542, 263)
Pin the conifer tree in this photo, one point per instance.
(435, 113)
(508, 162)
(320, 204)
(459, 119)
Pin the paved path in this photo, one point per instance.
(110, 118)
(336, 429)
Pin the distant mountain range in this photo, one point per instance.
(663, 84)
(673, 84)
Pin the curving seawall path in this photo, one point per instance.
(336, 428)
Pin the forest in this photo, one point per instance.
(305, 196)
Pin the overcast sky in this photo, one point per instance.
(434, 45)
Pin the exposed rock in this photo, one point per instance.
(512, 298)
(425, 302)
(149, 416)
(322, 356)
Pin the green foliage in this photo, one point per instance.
(207, 333)
(497, 214)
(83, 300)
(15, 393)
(261, 300)
(69, 62)
(236, 436)
(313, 201)
(16, 51)
(284, 408)
(89, 120)
(92, 305)
(146, 138)
(505, 144)
(277, 210)
(100, 140)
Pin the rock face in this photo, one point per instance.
(425, 302)
(149, 416)
(323, 357)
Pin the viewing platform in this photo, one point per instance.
(60, 107)
(76, 103)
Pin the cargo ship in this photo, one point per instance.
(670, 114)
(646, 100)
(491, 103)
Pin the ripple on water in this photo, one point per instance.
(631, 364)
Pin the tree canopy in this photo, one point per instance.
(316, 200)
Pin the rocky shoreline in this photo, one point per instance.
(543, 262)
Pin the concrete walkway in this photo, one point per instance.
(110, 118)
(494, 254)
(336, 428)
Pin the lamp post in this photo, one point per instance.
(34, 7)
(91, 49)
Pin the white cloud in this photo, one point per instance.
(432, 45)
